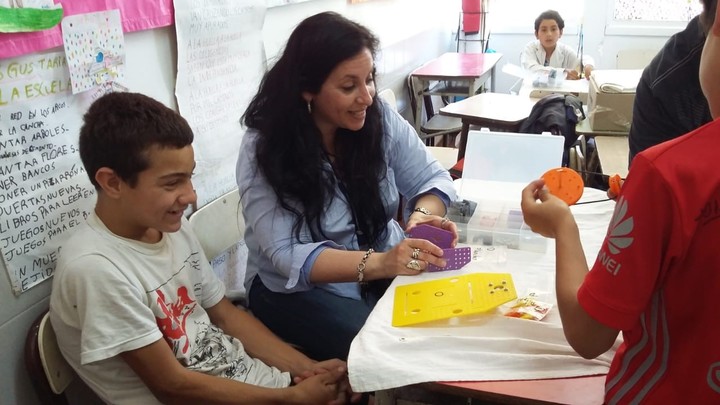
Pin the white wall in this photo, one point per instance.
(411, 32)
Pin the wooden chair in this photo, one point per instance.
(445, 155)
(49, 373)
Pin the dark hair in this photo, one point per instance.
(549, 15)
(289, 148)
(119, 128)
(707, 17)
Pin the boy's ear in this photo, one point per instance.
(108, 181)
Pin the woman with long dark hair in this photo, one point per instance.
(321, 172)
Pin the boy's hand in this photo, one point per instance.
(344, 390)
(546, 216)
(588, 71)
(321, 388)
(572, 74)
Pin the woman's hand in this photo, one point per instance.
(418, 218)
(411, 257)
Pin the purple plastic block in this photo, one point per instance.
(440, 237)
(456, 259)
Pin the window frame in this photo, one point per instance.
(639, 27)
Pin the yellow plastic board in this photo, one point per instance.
(452, 296)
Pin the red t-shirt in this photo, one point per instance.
(657, 275)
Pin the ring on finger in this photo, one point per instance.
(414, 265)
(443, 222)
(415, 253)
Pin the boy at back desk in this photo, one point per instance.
(547, 53)
(137, 310)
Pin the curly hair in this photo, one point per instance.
(119, 128)
(289, 148)
(549, 15)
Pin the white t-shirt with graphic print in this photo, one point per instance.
(111, 295)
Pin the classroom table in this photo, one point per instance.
(496, 111)
(457, 74)
(613, 143)
(578, 88)
(583, 128)
(489, 356)
(588, 390)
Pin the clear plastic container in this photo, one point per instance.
(501, 224)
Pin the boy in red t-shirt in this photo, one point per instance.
(657, 275)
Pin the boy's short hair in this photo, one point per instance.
(549, 15)
(707, 17)
(119, 128)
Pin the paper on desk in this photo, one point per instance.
(480, 347)
(515, 70)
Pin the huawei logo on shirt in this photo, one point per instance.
(618, 237)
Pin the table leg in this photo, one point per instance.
(463, 139)
(492, 79)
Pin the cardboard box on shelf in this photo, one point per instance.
(610, 99)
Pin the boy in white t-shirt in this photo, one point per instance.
(137, 310)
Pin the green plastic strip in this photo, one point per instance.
(28, 19)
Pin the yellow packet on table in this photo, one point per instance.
(528, 307)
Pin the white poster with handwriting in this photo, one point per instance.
(221, 61)
(44, 191)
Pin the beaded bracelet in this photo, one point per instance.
(361, 266)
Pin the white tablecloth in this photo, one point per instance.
(481, 347)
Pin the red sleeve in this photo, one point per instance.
(639, 242)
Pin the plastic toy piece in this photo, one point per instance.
(440, 237)
(456, 258)
(450, 297)
(564, 183)
(614, 184)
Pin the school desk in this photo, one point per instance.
(456, 74)
(496, 111)
(578, 88)
(583, 128)
(489, 356)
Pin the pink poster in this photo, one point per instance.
(136, 15)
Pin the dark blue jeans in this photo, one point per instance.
(322, 324)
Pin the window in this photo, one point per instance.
(656, 10)
(650, 17)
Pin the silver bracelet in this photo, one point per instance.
(423, 210)
(361, 266)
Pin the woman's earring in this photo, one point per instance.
(309, 108)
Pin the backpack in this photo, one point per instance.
(557, 114)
